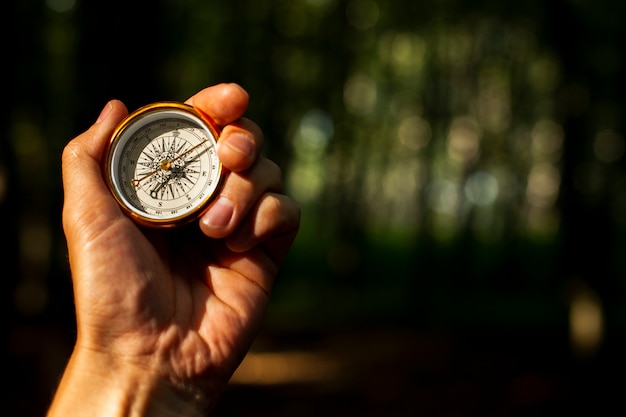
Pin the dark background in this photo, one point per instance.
(460, 169)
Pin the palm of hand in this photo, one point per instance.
(193, 310)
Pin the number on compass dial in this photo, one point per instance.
(162, 164)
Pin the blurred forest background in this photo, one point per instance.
(460, 167)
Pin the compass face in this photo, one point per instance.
(162, 164)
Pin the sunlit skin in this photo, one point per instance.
(164, 317)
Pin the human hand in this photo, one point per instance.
(164, 317)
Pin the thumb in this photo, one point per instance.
(85, 193)
(95, 138)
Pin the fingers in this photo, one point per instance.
(241, 140)
(265, 235)
(238, 196)
(249, 209)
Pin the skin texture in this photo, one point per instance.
(164, 317)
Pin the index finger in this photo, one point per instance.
(224, 103)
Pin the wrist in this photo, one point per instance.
(97, 384)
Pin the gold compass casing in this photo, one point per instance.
(161, 164)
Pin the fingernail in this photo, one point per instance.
(105, 112)
(239, 143)
(220, 213)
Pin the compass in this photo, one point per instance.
(161, 164)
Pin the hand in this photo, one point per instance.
(164, 317)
